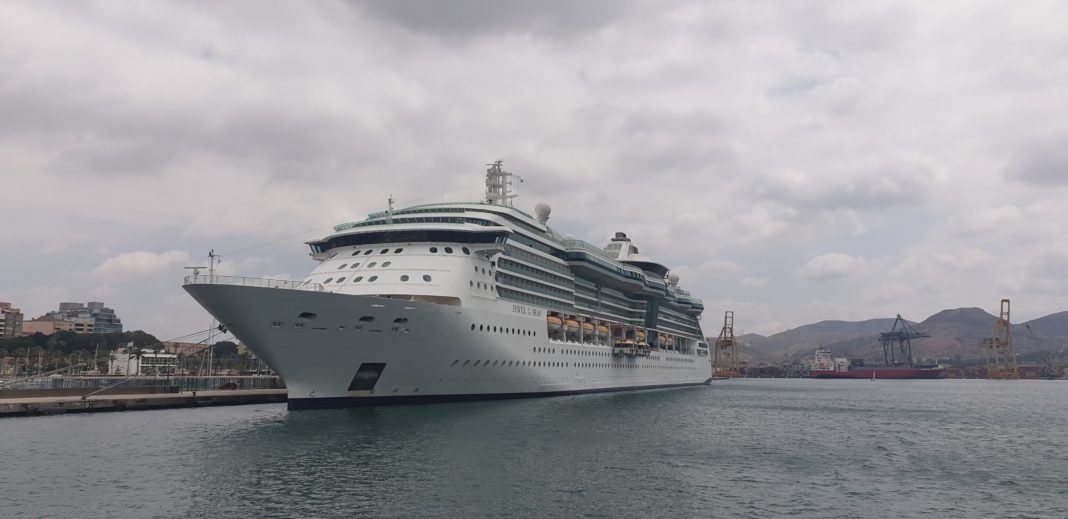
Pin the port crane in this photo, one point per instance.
(726, 362)
(897, 343)
(999, 351)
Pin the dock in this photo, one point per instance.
(48, 405)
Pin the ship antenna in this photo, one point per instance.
(389, 210)
(499, 184)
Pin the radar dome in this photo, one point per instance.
(673, 279)
(542, 211)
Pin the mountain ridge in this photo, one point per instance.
(955, 334)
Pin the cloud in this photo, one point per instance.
(133, 265)
(754, 282)
(832, 265)
(468, 18)
(1043, 164)
(734, 141)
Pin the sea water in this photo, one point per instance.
(739, 448)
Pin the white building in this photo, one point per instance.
(147, 362)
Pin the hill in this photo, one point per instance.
(955, 334)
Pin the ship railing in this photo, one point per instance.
(588, 247)
(253, 282)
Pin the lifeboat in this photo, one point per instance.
(572, 326)
(602, 331)
(640, 336)
(665, 341)
(625, 347)
(555, 323)
(587, 328)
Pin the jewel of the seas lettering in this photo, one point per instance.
(526, 310)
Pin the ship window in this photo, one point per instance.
(472, 283)
(357, 279)
(368, 251)
(372, 279)
(466, 250)
(328, 280)
(401, 320)
(397, 251)
(386, 264)
(476, 363)
(472, 327)
(483, 271)
(342, 266)
(476, 269)
(307, 315)
(426, 277)
(372, 264)
(480, 327)
(433, 249)
(405, 278)
(384, 251)
(448, 250)
(340, 280)
(354, 265)
(367, 319)
(355, 252)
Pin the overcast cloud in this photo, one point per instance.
(791, 161)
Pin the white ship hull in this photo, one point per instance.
(407, 351)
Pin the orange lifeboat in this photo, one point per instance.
(555, 323)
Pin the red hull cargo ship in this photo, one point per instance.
(827, 367)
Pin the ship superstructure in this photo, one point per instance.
(458, 301)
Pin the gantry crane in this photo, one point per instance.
(1000, 354)
(897, 343)
(726, 359)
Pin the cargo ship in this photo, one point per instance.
(826, 366)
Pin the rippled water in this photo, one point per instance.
(740, 448)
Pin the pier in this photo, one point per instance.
(47, 405)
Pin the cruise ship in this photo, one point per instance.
(464, 301)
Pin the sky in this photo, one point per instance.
(790, 161)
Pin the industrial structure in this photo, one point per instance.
(726, 362)
(999, 351)
(897, 343)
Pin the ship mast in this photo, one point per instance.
(499, 184)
